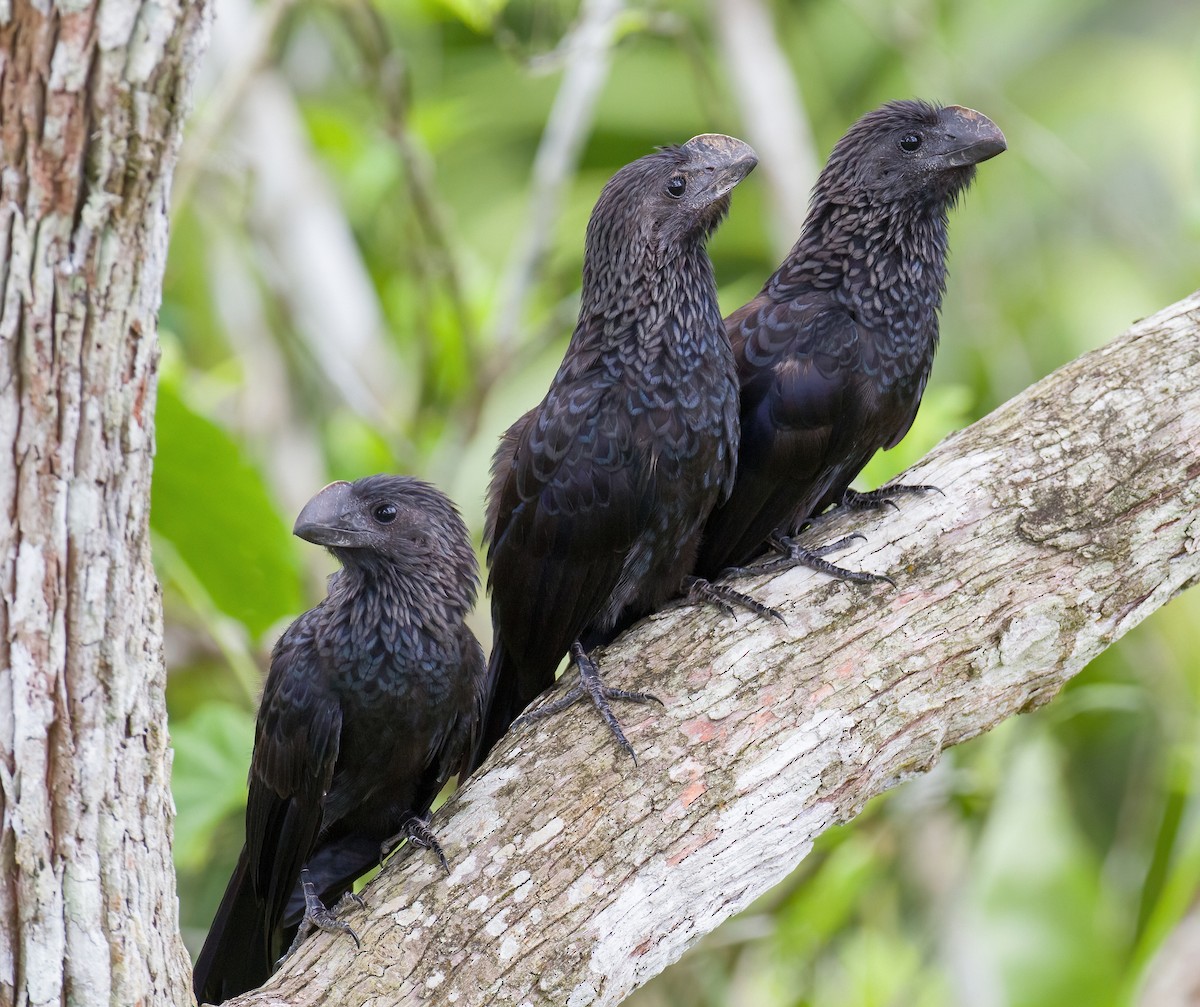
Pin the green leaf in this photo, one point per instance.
(208, 780)
(875, 967)
(212, 505)
(826, 904)
(478, 15)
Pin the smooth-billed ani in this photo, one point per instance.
(598, 493)
(834, 352)
(371, 700)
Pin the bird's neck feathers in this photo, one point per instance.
(636, 290)
(882, 261)
(371, 595)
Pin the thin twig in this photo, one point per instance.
(392, 77)
(227, 96)
(584, 53)
(588, 48)
(771, 109)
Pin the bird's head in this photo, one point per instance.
(389, 521)
(675, 195)
(910, 150)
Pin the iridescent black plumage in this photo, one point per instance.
(598, 494)
(834, 352)
(371, 700)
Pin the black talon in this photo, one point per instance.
(785, 545)
(856, 500)
(572, 696)
(725, 598)
(884, 496)
(317, 917)
(347, 898)
(592, 686)
(416, 831)
(794, 554)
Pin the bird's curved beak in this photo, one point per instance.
(727, 158)
(325, 519)
(971, 135)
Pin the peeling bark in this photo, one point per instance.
(1069, 515)
(92, 97)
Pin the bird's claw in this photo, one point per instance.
(592, 686)
(417, 831)
(349, 898)
(884, 496)
(794, 554)
(787, 545)
(727, 599)
(317, 917)
(814, 559)
(572, 696)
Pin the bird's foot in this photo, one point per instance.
(348, 899)
(417, 831)
(592, 687)
(317, 917)
(856, 500)
(883, 497)
(726, 598)
(794, 554)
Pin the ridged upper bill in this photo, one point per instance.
(979, 138)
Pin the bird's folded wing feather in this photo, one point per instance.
(797, 366)
(295, 750)
(570, 494)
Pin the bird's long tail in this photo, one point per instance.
(505, 696)
(237, 954)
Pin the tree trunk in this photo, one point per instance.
(1068, 515)
(92, 97)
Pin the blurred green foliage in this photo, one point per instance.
(347, 211)
(254, 578)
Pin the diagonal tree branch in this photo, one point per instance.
(1069, 515)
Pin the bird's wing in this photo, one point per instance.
(910, 402)
(800, 367)
(296, 745)
(459, 731)
(569, 495)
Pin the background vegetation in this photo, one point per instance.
(368, 274)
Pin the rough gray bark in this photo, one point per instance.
(1069, 515)
(92, 97)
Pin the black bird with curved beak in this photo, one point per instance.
(834, 352)
(371, 700)
(598, 494)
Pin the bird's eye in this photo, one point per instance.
(384, 513)
(910, 142)
(677, 186)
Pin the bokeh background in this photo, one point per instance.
(375, 262)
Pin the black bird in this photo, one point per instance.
(598, 494)
(834, 352)
(372, 698)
